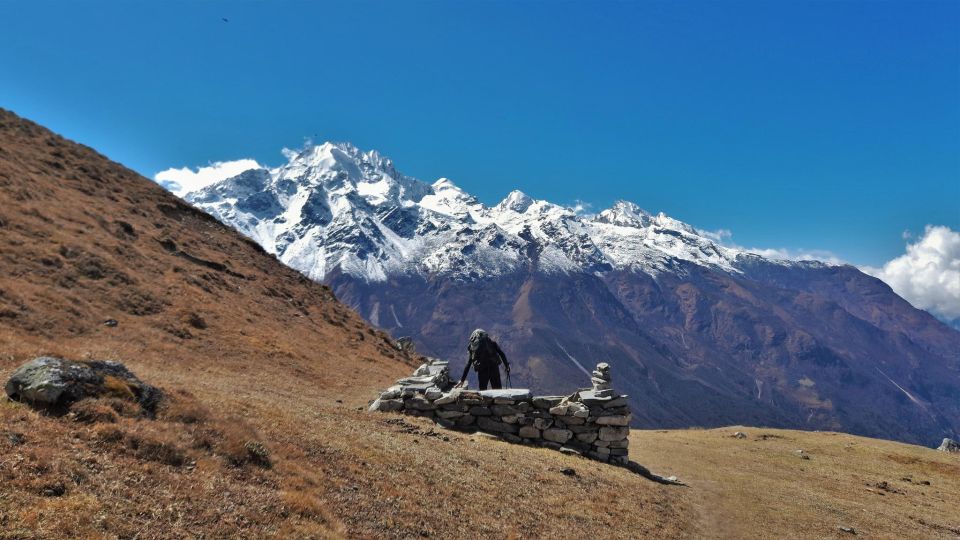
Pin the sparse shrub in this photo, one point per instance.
(196, 321)
(154, 447)
(123, 407)
(109, 433)
(93, 411)
(118, 388)
(257, 453)
(240, 446)
(184, 408)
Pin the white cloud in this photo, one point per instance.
(184, 180)
(928, 274)
(724, 237)
(582, 208)
(720, 236)
(798, 254)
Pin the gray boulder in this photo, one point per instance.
(950, 446)
(54, 384)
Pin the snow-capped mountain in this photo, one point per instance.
(696, 332)
(335, 207)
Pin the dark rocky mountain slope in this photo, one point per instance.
(700, 334)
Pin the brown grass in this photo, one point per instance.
(762, 487)
(265, 433)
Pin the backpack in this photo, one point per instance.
(483, 351)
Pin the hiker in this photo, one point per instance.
(485, 356)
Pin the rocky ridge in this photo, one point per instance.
(333, 207)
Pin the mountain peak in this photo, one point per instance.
(625, 214)
(516, 201)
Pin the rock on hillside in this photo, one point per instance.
(53, 383)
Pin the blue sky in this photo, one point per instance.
(826, 125)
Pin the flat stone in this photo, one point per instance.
(480, 411)
(574, 420)
(418, 384)
(597, 456)
(551, 445)
(488, 424)
(603, 451)
(466, 420)
(448, 398)
(453, 407)
(389, 405)
(578, 409)
(503, 401)
(419, 403)
(523, 406)
(515, 394)
(557, 435)
(614, 433)
(601, 444)
(619, 444)
(529, 432)
(559, 410)
(619, 460)
(618, 451)
(524, 420)
(432, 393)
(503, 410)
(590, 397)
(446, 424)
(391, 393)
(583, 428)
(613, 420)
(546, 402)
(542, 423)
(511, 438)
(450, 414)
(586, 437)
(511, 418)
(616, 402)
(569, 451)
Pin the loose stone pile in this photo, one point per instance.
(591, 422)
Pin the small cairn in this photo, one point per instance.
(601, 380)
(592, 422)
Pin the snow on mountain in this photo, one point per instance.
(332, 206)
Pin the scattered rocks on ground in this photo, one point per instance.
(54, 384)
(110, 323)
(848, 530)
(740, 435)
(568, 471)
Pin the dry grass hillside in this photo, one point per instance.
(264, 433)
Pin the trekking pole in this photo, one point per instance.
(509, 384)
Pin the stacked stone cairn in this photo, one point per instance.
(591, 422)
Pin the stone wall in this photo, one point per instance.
(592, 422)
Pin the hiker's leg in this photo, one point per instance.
(495, 379)
(483, 377)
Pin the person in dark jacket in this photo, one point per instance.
(485, 357)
